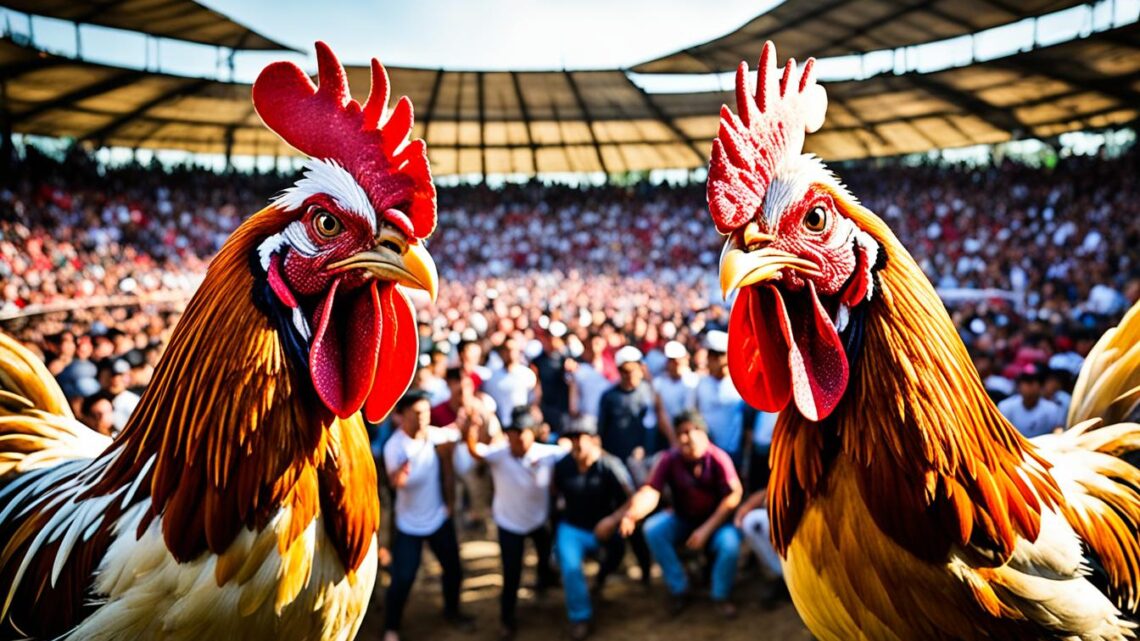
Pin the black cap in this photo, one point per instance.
(522, 418)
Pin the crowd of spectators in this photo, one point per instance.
(578, 312)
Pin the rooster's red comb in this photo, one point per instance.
(371, 144)
(771, 127)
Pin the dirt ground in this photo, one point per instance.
(627, 611)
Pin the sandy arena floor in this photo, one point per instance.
(628, 611)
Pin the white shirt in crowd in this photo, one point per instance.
(591, 385)
(510, 388)
(677, 394)
(420, 509)
(1042, 419)
(522, 485)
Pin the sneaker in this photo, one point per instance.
(579, 630)
(676, 604)
(460, 621)
(727, 610)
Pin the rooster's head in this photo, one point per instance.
(352, 229)
(803, 267)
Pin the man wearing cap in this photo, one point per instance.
(719, 403)
(628, 411)
(114, 378)
(521, 470)
(594, 488)
(677, 385)
(1028, 410)
(418, 458)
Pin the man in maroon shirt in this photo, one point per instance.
(706, 491)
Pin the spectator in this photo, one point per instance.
(514, 384)
(677, 385)
(521, 470)
(98, 412)
(628, 412)
(594, 488)
(719, 402)
(706, 492)
(587, 381)
(1029, 412)
(1054, 389)
(114, 378)
(550, 367)
(418, 458)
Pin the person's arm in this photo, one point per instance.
(608, 525)
(664, 424)
(536, 387)
(641, 505)
(755, 501)
(700, 536)
(572, 390)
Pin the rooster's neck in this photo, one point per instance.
(938, 464)
(229, 433)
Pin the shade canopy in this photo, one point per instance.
(178, 19)
(586, 121)
(820, 28)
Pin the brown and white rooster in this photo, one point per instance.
(904, 505)
(240, 501)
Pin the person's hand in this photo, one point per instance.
(570, 366)
(698, 539)
(628, 525)
(605, 528)
(738, 518)
(638, 453)
(401, 477)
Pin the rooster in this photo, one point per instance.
(240, 501)
(903, 504)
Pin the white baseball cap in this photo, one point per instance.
(557, 329)
(674, 350)
(627, 354)
(717, 341)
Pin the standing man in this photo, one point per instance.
(628, 412)
(677, 385)
(512, 385)
(417, 458)
(706, 491)
(587, 378)
(719, 402)
(550, 367)
(522, 470)
(594, 488)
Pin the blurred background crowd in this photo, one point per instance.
(1034, 264)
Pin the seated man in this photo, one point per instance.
(521, 470)
(595, 488)
(705, 490)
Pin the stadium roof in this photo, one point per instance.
(178, 19)
(586, 121)
(822, 28)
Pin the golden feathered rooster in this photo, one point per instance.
(240, 501)
(904, 505)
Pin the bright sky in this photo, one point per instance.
(456, 34)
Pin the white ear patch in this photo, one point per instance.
(329, 178)
(870, 249)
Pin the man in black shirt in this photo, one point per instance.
(550, 366)
(594, 488)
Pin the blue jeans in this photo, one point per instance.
(665, 531)
(571, 545)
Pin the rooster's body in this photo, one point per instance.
(240, 501)
(904, 504)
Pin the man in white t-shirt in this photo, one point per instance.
(416, 458)
(512, 385)
(521, 471)
(587, 379)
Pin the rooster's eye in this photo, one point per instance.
(816, 219)
(326, 224)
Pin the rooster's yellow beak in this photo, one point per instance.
(747, 259)
(413, 267)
